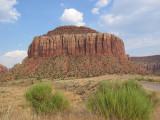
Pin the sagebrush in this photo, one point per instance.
(42, 99)
(125, 101)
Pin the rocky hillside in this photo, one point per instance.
(67, 66)
(3, 69)
(151, 63)
(70, 51)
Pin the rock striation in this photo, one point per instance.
(3, 69)
(75, 44)
(151, 63)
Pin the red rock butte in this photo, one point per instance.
(70, 51)
(76, 41)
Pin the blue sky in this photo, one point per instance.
(137, 22)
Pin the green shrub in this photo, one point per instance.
(59, 102)
(43, 101)
(127, 100)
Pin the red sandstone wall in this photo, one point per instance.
(77, 44)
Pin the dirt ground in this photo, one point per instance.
(13, 104)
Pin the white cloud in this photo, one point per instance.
(72, 17)
(7, 12)
(19, 44)
(13, 57)
(132, 44)
(62, 5)
(138, 21)
(137, 17)
(16, 53)
(110, 19)
(146, 51)
(115, 33)
(95, 10)
(102, 3)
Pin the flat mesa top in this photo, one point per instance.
(71, 30)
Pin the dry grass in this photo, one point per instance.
(13, 105)
(28, 114)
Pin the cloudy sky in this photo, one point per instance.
(137, 22)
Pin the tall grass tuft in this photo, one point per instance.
(42, 99)
(122, 100)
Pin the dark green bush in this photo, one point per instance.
(43, 101)
(125, 101)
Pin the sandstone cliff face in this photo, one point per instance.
(77, 44)
(151, 63)
(3, 69)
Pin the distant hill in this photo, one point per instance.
(151, 63)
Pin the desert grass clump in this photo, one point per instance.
(122, 100)
(42, 99)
